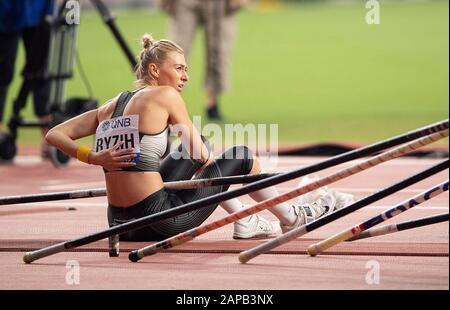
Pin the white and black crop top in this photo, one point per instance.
(149, 148)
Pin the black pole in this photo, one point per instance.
(7, 200)
(377, 196)
(147, 220)
(392, 228)
(422, 221)
(99, 192)
(109, 21)
(247, 255)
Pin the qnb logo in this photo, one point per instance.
(373, 275)
(105, 126)
(73, 12)
(73, 273)
(120, 123)
(373, 15)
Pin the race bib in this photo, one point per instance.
(122, 128)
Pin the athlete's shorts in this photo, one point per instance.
(235, 161)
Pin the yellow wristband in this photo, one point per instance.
(83, 154)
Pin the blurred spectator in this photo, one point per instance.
(217, 19)
(25, 20)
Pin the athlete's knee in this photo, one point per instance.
(239, 152)
(179, 165)
(242, 154)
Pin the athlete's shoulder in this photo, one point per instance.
(107, 109)
(166, 93)
(165, 96)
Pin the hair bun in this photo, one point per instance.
(147, 41)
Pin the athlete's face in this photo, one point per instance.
(173, 71)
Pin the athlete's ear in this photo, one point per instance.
(153, 70)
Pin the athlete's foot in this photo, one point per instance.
(255, 227)
(310, 212)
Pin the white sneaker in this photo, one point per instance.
(342, 199)
(256, 227)
(312, 196)
(310, 212)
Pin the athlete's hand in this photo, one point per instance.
(113, 159)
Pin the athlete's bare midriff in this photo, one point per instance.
(126, 188)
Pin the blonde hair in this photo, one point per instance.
(153, 52)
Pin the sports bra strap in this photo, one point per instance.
(121, 104)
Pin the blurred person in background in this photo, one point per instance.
(25, 20)
(217, 19)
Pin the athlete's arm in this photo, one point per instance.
(63, 137)
(181, 122)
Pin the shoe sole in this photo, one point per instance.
(258, 237)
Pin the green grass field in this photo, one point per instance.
(317, 70)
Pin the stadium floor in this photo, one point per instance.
(411, 259)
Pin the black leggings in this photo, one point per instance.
(235, 161)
